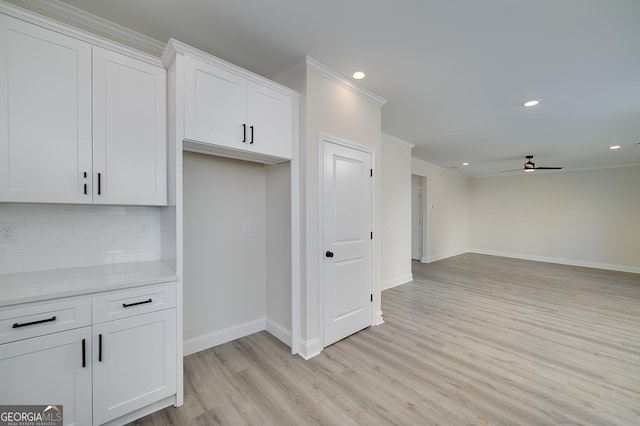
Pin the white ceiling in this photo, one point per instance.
(455, 73)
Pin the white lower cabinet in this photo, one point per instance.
(134, 363)
(52, 354)
(50, 370)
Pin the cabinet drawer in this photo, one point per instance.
(43, 318)
(123, 304)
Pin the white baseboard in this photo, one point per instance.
(225, 335)
(378, 319)
(396, 282)
(141, 412)
(310, 348)
(560, 261)
(443, 256)
(278, 331)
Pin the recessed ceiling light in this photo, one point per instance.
(531, 103)
(614, 147)
(359, 75)
(465, 164)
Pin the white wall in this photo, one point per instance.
(55, 236)
(447, 222)
(585, 218)
(335, 110)
(278, 260)
(395, 175)
(224, 267)
(327, 107)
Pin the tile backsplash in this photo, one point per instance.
(55, 236)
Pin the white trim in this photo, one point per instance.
(560, 261)
(174, 47)
(450, 170)
(397, 140)
(107, 27)
(296, 68)
(278, 331)
(322, 138)
(98, 24)
(443, 256)
(311, 348)
(141, 412)
(396, 282)
(206, 341)
(379, 318)
(340, 80)
(296, 233)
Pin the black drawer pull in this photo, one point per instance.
(18, 325)
(84, 353)
(128, 305)
(99, 347)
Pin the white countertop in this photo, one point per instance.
(45, 285)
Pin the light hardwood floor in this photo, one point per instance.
(473, 340)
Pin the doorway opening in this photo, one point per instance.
(418, 219)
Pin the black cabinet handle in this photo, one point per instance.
(18, 325)
(84, 353)
(128, 305)
(99, 347)
(329, 253)
(244, 133)
(85, 189)
(251, 135)
(99, 183)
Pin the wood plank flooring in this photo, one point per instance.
(473, 340)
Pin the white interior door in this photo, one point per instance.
(347, 229)
(416, 223)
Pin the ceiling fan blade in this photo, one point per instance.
(514, 170)
(548, 168)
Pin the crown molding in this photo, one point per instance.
(436, 166)
(96, 24)
(175, 47)
(341, 80)
(296, 68)
(397, 140)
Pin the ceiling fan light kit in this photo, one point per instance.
(530, 166)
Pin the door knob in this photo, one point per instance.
(329, 253)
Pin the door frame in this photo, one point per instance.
(326, 138)
(421, 203)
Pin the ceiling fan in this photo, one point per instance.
(530, 166)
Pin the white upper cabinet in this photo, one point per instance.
(270, 116)
(45, 115)
(70, 134)
(216, 105)
(232, 112)
(129, 132)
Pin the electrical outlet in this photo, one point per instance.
(143, 230)
(8, 233)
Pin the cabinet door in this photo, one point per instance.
(48, 370)
(134, 363)
(215, 105)
(271, 118)
(129, 131)
(45, 115)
